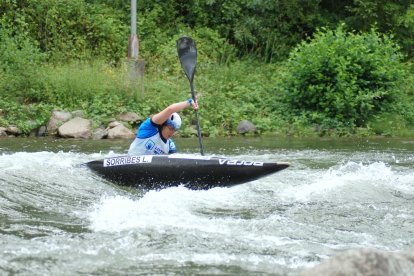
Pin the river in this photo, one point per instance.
(57, 218)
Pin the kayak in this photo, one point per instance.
(194, 172)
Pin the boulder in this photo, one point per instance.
(32, 125)
(113, 124)
(245, 127)
(120, 132)
(193, 130)
(365, 262)
(129, 117)
(3, 132)
(75, 128)
(41, 131)
(78, 113)
(57, 119)
(13, 130)
(38, 132)
(99, 133)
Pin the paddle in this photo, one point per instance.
(187, 53)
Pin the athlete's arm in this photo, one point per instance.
(162, 116)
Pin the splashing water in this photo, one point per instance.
(59, 218)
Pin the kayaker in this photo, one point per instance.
(155, 133)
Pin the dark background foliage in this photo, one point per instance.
(267, 29)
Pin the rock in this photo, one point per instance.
(193, 131)
(38, 132)
(120, 132)
(57, 119)
(129, 117)
(113, 124)
(246, 126)
(78, 113)
(41, 131)
(75, 128)
(99, 133)
(32, 125)
(3, 132)
(364, 262)
(13, 130)
(33, 133)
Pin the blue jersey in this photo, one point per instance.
(150, 142)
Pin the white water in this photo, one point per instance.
(58, 218)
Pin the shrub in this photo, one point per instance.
(19, 58)
(341, 79)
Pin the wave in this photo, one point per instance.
(53, 209)
(350, 181)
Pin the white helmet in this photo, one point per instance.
(174, 121)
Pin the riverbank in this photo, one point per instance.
(227, 94)
(72, 125)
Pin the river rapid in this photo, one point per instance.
(58, 218)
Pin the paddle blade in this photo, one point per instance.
(187, 53)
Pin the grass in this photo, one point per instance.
(243, 90)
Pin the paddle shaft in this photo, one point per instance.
(196, 117)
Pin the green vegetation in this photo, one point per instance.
(341, 80)
(290, 67)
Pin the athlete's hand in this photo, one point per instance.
(194, 105)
